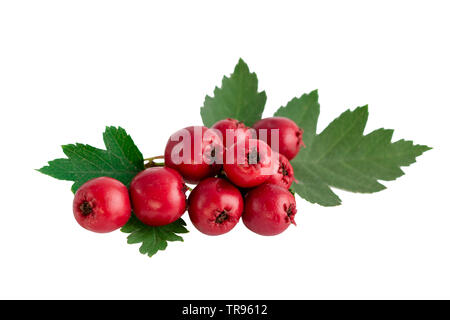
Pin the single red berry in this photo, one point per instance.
(195, 152)
(215, 206)
(290, 135)
(233, 131)
(269, 209)
(284, 173)
(248, 164)
(158, 196)
(102, 205)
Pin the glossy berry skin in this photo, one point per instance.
(269, 210)
(204, 145)
(290, 135)
(238, 130)
(158, 196)
(215, 206)
(102, 205)
(284, 173)
(249, 164)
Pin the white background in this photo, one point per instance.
(69, 68)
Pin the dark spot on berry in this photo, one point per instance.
(222, 217)
(211, 156)
(290, 210)
(253, 156)
(283, 170)
(86, 208)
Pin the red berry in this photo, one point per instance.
(157, 195)
(195, 152)
(233, 131)
(215, 206)
(284, 173)
(102, 205)
(248, 164)
(269, 210)
(290, 135)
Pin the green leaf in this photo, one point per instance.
(238, 98)
(341, 156)
(121, 160)
(153, 239)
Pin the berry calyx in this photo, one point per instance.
(290, 135)
(215, 206)
(222, 217)
(102, 205)
(233, 131)
(158, 196)
(284, 173)
(195, 152)
(249, 163)
(269, 210)
(86, 208)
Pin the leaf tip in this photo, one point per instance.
(425, 148)
(40, 170)
(241, 61)
(364, 108)
(241, 66)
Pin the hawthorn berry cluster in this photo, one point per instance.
(238, 172)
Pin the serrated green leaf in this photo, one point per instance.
(341, 156)
(238, 98)
(121, 160)
(153, 239)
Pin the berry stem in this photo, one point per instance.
(153, 158)
(151, 163)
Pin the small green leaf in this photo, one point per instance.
(153, 239)
(121, 160)
(341, 156)
(238, 98)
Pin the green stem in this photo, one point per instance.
(153, 158)
(151, 163)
